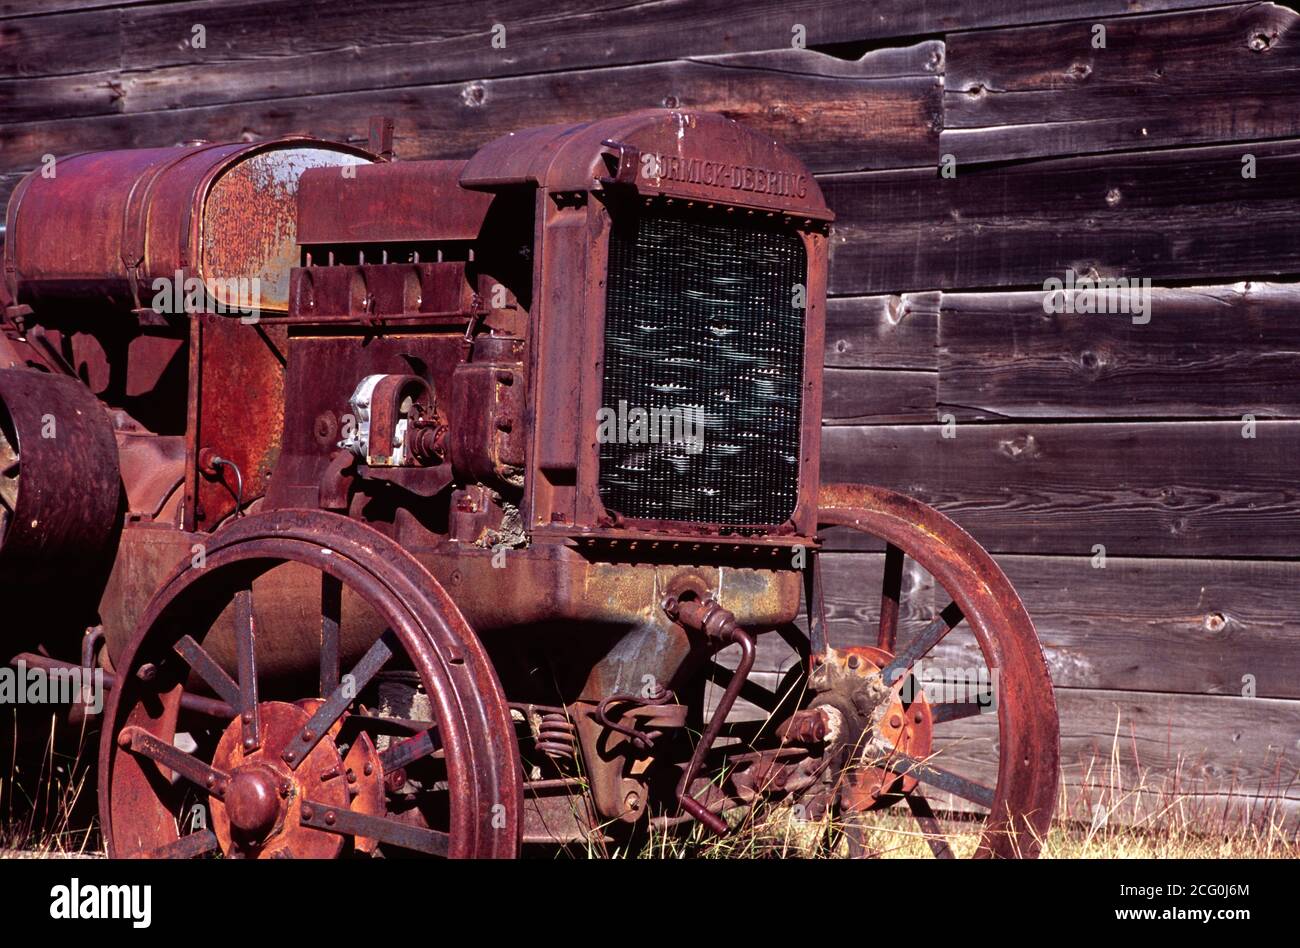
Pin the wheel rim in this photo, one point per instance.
(278, 782)
(1021, 805)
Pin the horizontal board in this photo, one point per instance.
(1212, 627)
(1202, 351)
(1176, 79)
(279, 48)
(1205, 744)
(861, 122)
(64, 43)
(883, 332)
(877, 396)
(1175, 214)
(1186, 489)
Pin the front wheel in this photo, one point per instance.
(897, 752)
(206, 751)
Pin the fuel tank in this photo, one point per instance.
(102, 227)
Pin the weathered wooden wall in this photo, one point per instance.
(1072, 431)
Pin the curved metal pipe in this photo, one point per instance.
(720, 626)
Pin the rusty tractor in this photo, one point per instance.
(447, 506)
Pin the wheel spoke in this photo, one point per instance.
(920, 808)
(331, 611)
(957, 785)
(410, 750)
(921, 644)
(187, 847)
(246, 657)
(139, 741)
(347, 823)
(956, 710)
(206, 668)
(890, 594)
(340, 698)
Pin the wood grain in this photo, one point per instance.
(883, 332)
(862, 121)
(1208, 351)
(1178, 214)
(1176, 79)
(1185, 489)
(878, 396)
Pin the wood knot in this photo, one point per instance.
(1261, 40)
(473, 95)
(1022, 447)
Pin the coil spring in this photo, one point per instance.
(557, 736)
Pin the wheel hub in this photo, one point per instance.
(259, 815)
(253, 801)
(872, 715)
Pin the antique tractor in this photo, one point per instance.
(442, 506)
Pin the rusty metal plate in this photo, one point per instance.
(249, 229)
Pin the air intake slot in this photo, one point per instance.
(701, 324)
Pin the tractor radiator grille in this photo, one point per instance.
(702, 327)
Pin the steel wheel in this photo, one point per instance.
(894, 763)
(288, 767)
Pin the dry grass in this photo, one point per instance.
(1117, 810)
(47, 820)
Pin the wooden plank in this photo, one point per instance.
(1175, 214)
(273, 50)
(878, 396)
(27, 8)
(1195, 743)
(1205, 351)
(60, 44)
(867, 122)
(883, 332)
(1177, 79)
(405, 42)
(1188, 489)
(1215, 627)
